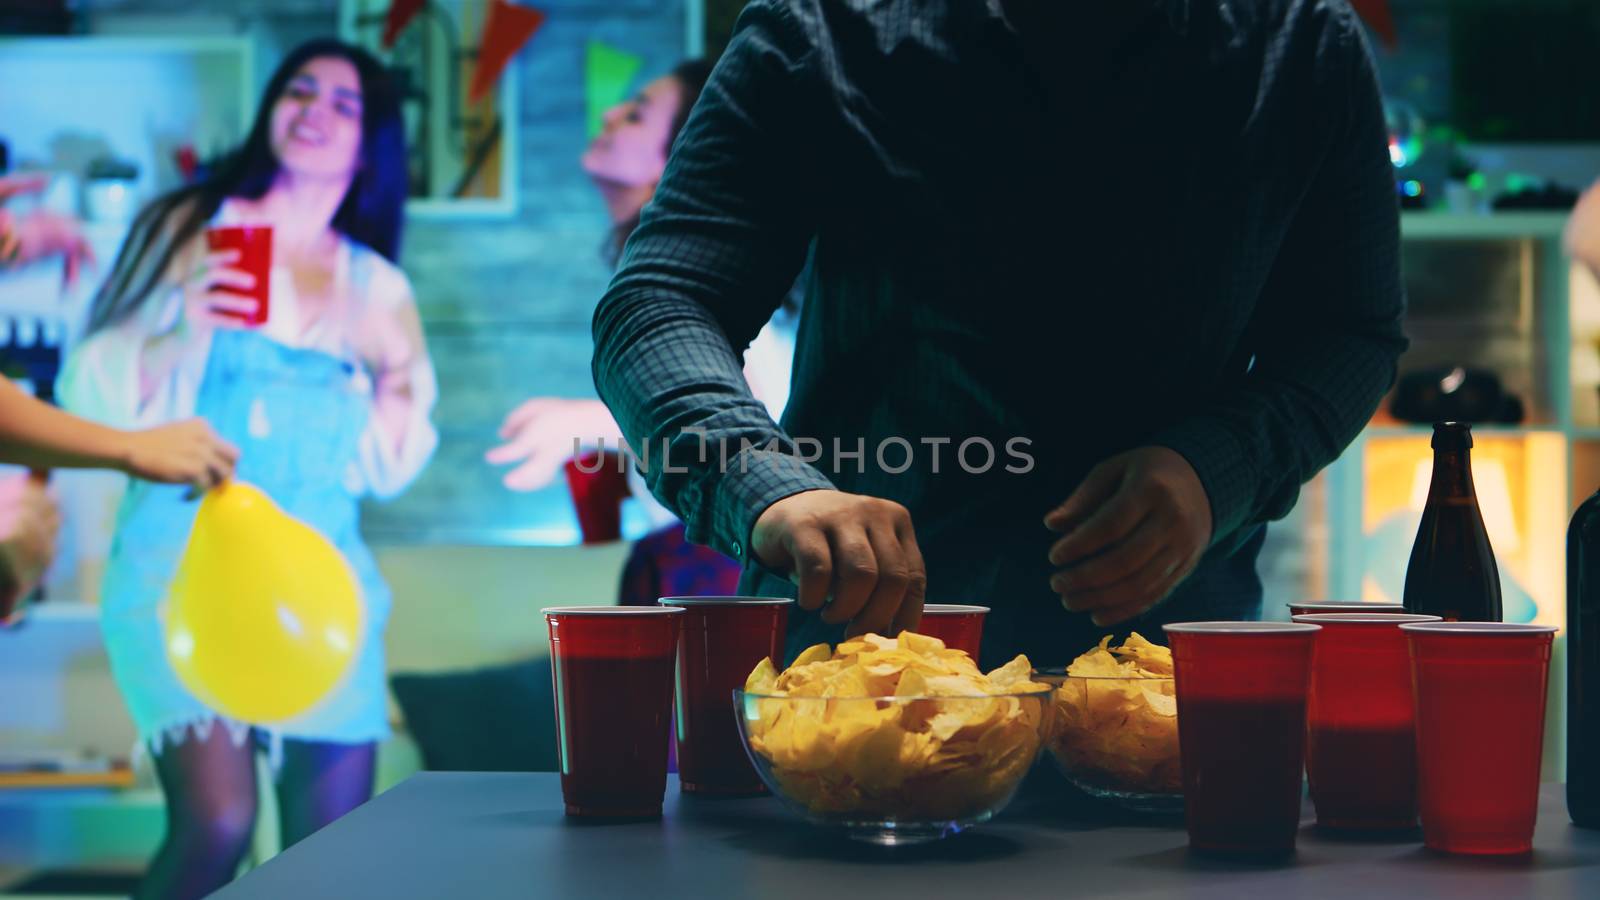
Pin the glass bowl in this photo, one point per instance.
(894, 770)
(1116, 738)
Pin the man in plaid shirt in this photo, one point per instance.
(1093, 289)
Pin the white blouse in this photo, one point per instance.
(102, 380)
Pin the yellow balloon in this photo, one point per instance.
(264, 617)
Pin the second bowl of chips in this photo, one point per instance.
(893, 740)
(1114, 733)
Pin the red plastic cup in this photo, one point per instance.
(1361, 754)
(613, 684)
(254, 243)
(1308, 607)
(1241, 731)
(958, 625)
(1480, 695)
(722, 639)
(598, 484)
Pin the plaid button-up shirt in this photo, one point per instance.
(1186, 237)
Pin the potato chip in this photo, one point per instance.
(1161, 704)
(1116, 719)
(912, 684)
(1152, 660)
(1015, 672)
(895, 728)
(811, 654)
(763, 679)
(920, 644)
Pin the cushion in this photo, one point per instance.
(496, 719)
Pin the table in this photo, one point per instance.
(489, 836)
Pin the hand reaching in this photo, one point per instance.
(857, 553)
(1133, 530)
(187, 452)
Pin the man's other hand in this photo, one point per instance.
(1133, 531)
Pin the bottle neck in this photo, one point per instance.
(1452, 475)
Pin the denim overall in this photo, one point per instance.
(296, 416)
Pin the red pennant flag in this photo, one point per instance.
(1378, 17)
(507, 27)
(401, 12)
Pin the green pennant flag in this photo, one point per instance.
(607, 77)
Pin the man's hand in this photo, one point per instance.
(1133, 530)
(29, 521)
(859, 551)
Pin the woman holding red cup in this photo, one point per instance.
(327, 394)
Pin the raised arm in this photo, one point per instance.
(713, 256)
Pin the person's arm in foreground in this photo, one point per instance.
(1326, 336)
(34, 433)
(714, 253)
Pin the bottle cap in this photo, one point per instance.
(1452, 436)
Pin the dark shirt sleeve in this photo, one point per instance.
(714, 254)
(1327, 332)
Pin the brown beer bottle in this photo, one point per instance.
(1452, 572)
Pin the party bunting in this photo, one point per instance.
(1379, 18)
(608, 75)
(401, 12)
(507, 27)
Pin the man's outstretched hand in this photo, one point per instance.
(856, 554)
(1132, 531)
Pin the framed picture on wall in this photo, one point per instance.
(507, 302)
(463, 154)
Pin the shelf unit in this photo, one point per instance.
(1454, 226)
(1537, 324)
(1554, 434)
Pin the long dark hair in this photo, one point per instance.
(370, 214)
(691, 75)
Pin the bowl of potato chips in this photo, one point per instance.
(1114, 732)
(894, 740)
